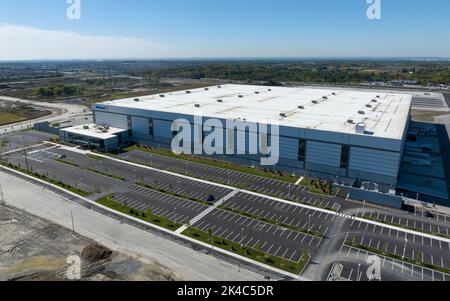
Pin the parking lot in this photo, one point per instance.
(288, 191)
(296, 216)
(161, 204)
(391, 269)
(431, 251)
(252, 233)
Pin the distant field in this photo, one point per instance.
(7, 118)
(10, 117)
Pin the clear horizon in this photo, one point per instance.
(201, 29)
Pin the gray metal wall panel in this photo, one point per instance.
(374, 161)
(323, 153)
(112, 120)
(140, 125)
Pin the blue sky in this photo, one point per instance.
(223, 28)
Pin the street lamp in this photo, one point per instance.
(174, 221)
(404, 250)
(309, 222)
(242, 237)
(358, 278)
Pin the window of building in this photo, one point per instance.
(302, 150)
(345, 155)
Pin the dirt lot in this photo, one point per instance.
(34, 249)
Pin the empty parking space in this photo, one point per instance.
(271, 239)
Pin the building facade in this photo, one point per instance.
(343, 136)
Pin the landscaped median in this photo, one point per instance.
(216, 163)
(272, 222)
(417, 261)
(67, 163)
(145, 216)
(258, 255)
(106, 174)
(47, 179)
(404, 227)
(154, 188)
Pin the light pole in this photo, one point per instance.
(289, 195)
(309, 223)
(242, 238)
(358, 278)
(73, 225)
(404, 249)
(174, 216)
(3, 197)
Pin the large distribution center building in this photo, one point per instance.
(341, 135)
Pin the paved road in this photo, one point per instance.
(60, 112)
(187, 264)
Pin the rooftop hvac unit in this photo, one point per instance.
(136, 99)
(351, 121)
(206, 89)
(220, 87)
(301, 107)
(188, 92)
(241, 96)
(197, 105)
(162, 95)
(283, 114)
(256, 92)
(104, 131)
(334, 93)
(374, 100)
(361, 113)
(220, 100)
(360, 128)
(378, 96)
(324, 97)
(86, 127)
(269, 90)
(369, 106)
(315, 102)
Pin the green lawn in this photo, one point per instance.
(154, 188)
(49, 180)
(216, 163)
(272, 222)
(106, 174)
(254, 254)
(145, 216)
(9, 118)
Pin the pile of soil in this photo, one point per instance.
(95, 252)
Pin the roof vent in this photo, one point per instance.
(162, 95)
(188, 92)
(256, 92)
(269, 90)
(351, 121)
(241, 96)
(378, 96)
(206, 89)
(220, 87)
(197, 105)
(301, 107)
(220, 100)
(324, 97)
(374, 100)
(334, 93)
(315, 102)
(368, 106)
(136, 99)
(283, 114)
(361, 112)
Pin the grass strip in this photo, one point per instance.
(254, 254)
(397, 257)
(404, 227)
(216, 163)
(147, 186)
(106, 174)
(47, 179)
(145, 216)
(272, 222)
(67, 163)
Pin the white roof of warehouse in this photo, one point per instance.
(386, 117)
(94, 131)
